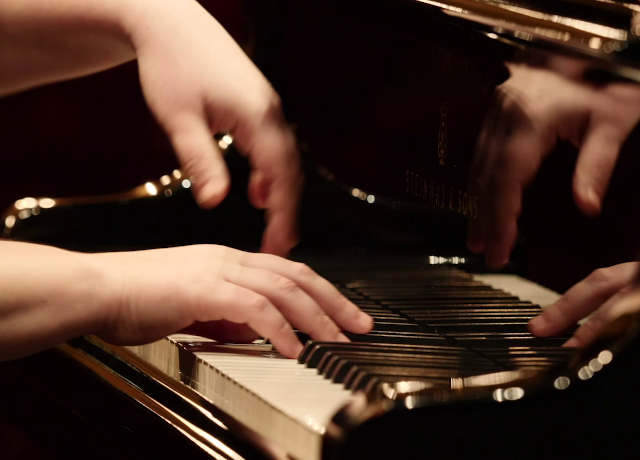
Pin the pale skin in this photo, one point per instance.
(539, 107)
(196, 81)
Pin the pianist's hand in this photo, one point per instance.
(535, 108)
(198, 81)
(195, 78)
(49, 296)
(606, 295)
(203, 288)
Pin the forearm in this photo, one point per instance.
(43, 41)
(47, 296)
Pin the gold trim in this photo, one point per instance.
(199, 436)
(165, 186)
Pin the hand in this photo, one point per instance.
(205, 288)
(608, 293)
(535, 108)
(197, 81)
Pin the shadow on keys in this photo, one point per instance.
(408, 91)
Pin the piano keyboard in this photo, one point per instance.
(434, 324)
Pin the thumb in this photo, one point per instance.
(201, 159)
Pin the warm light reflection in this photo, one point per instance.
(595, 43)
(168, 192)
(562, 383)
(186, 183)
(25, 213)
(371, 199)
(165, 180)
(177, 174)
(605, 357)
(46, 203)
(10, 221)
(510, 394)
(513, 393)
(585, 26)
(434, 260)
(30, 202)
(585, 373)
(355, 192)
(26, 203)
(410, 402)
(595, 365)
(151, 189)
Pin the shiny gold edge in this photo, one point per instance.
(522, 26)
(165, 186)
(191, 430)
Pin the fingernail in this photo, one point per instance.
(571, 343)
(591, 197)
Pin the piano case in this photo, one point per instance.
(387, 97)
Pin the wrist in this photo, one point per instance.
(49, 296)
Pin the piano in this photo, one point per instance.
(387, 133)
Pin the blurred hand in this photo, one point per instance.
(223, 294)
(607, 294)
(197, 82)
(534, 108)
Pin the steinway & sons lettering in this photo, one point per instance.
(439, 194)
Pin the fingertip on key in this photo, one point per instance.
(342, 338)
(539, 325)
(297, 349)
(365, 321)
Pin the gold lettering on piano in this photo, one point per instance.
(440, 194)
(442, 135)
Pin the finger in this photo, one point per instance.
(500, 225)
(595, 165)
(223, 331)
(504, 121)
(296, 305)
(272, 150)
(582, 299)
(285, 177)
(200, 158)
(346, 314)
(227, 301)
(502, 198)
(590, 330)
(258, 190)
(475, 243)
(484, 146)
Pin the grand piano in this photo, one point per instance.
(387, 98)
